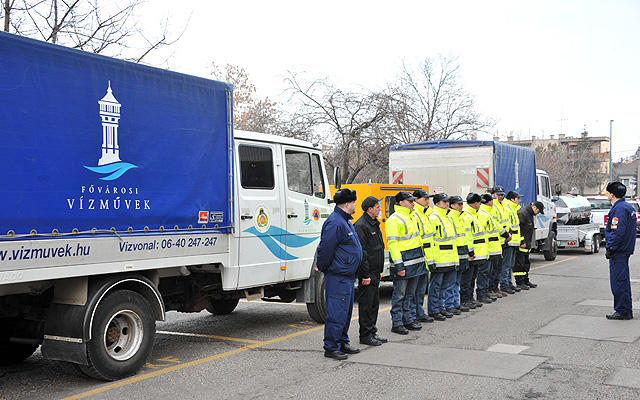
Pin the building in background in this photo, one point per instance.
(581, 163)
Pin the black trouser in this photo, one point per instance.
(368, 305)
(521, 268)
(468, 281)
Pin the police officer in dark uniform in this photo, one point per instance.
(620, 235)
(368, 229)
(339, 255)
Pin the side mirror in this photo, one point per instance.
(558, 189)
(337, 178)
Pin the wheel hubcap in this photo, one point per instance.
(123, 335)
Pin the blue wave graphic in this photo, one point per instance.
(543, 218)
(116, 170)
(274, 234)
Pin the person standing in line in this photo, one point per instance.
(494, 249)
(370, 236)
(464, 244)
(446, 255)
(338, 256)
(511, 206)
(420, 212)
(407, 257)
(620, 235)
(494, 208)
(526, 216)
(480, 249)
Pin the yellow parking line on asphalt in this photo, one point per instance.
(143, 377)
(554, 263)
(209, 336)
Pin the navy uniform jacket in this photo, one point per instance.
(620, 233)
(339, 251)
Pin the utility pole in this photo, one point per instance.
(610, 152)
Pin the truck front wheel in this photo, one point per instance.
(318, 309)
(552, 251)
(13, 353)
(123, 333)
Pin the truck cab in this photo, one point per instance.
(546, 224)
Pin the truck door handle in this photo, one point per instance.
(246, 216)
(292, 215)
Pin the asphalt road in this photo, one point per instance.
(551, 342)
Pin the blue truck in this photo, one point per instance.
(126, 194)
(458, 167)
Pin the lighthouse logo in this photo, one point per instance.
(110, 164)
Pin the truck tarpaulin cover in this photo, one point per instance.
(515, 166)
(93, 142)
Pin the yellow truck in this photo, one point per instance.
(386, 193)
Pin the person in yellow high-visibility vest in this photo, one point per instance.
(464, 243)
(420, 208)
(480, 250)
(511, 205)
(407, 257)
(499, 214)
(493, 230)
(446, 256)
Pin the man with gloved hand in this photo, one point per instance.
(620, 235)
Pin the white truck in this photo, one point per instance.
(458, 167)
(127, 194)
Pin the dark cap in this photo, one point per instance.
(455, 200)
(617, 189)
(418, 193)
(437, 198)
(369, 202)
(485, 198)
(497, 190)
(404, 196)
(539, 206)
(513, 194)
(473, 198)
(344, 196)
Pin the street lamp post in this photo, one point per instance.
(610, 152)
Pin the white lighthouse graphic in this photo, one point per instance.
(110, 163)
(110, 114)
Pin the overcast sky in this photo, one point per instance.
(540, 67)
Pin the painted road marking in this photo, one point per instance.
(209, 336)
(153, 374)
(255, 345)
(554, 263)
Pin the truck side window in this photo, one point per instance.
(256, 167)
(390, 202)
(318, 178)
(298, 166)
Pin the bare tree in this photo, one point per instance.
(346, 121)
(90, 25)
(249, 112)
(432, 104)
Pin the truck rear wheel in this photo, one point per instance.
(13, 353)
(221, 306)
(318, 309)
(122, 338)
(551, 254)
(595, 243)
